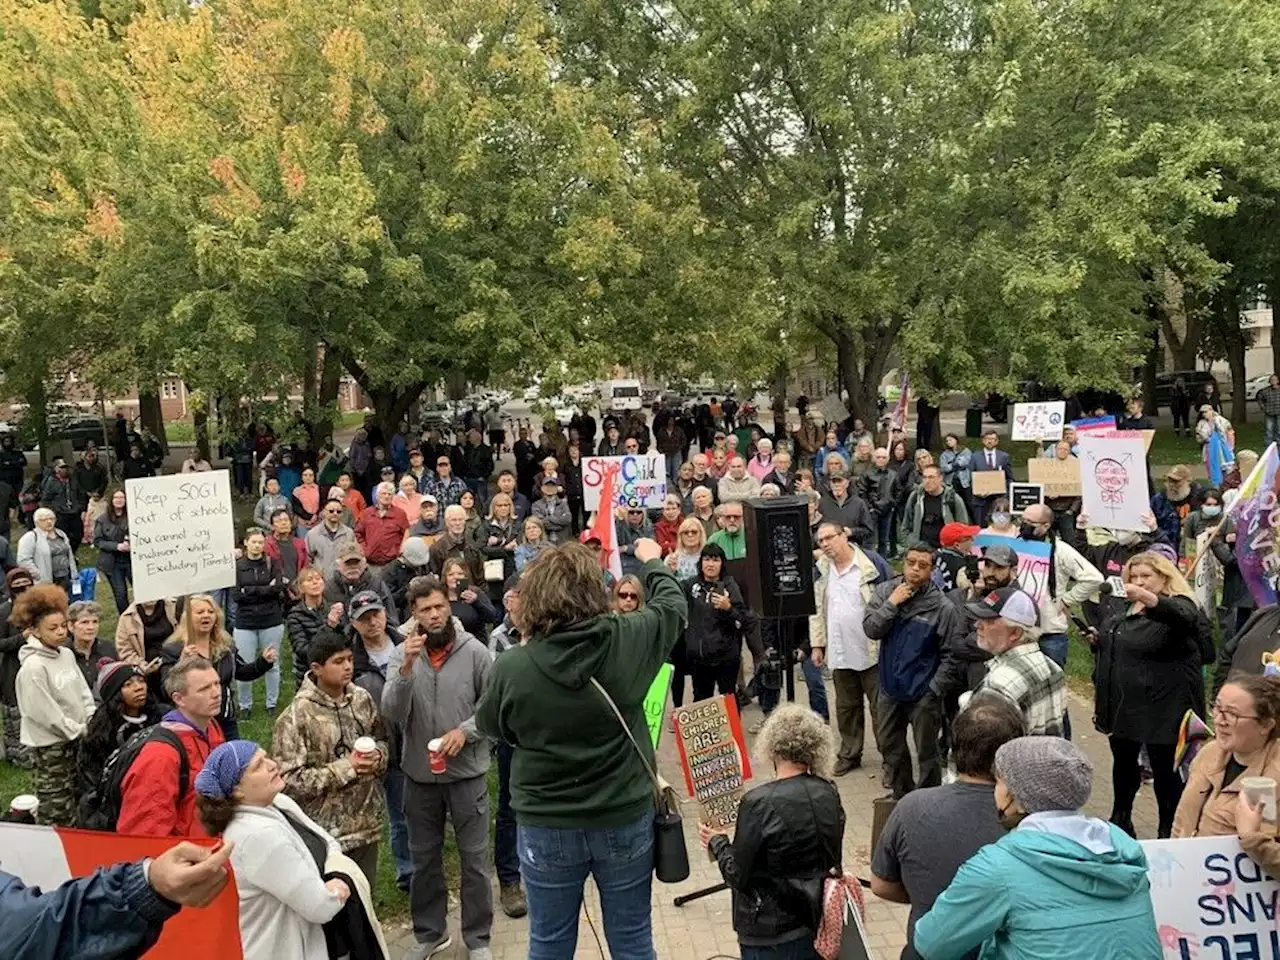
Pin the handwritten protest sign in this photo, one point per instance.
(988, 483)
(1039, 421)
(1033, 560)
(655, 702)
(1211, 900)
(1208, 575)
(1059, 478)
(1113, 482)
(1094, 426)
(181, 535)
(714, 756)
(643, 476)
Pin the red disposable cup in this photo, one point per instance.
(439, 762)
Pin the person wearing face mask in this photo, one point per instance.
(1000, 519)
(1058, 884)
(1071, 581)
(1199, 521)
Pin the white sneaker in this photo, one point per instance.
(480, 953)
(421, 951)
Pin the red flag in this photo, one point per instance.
(602, 526)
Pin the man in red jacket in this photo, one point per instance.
(152, 803)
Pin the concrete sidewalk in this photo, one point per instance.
(704, 928)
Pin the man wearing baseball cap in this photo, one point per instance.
(631, 528)
(955, 565)
(553, 510)
(1018, 670)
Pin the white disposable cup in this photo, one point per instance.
(24, 803)
(1261, 790)
(365, 746)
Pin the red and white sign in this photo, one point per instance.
(48, 857)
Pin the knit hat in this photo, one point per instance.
(112, 676)
(224, 768)
(1045, 773)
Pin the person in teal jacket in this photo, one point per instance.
(1060, 884)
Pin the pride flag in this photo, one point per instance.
(1257, 522)
(898, 418)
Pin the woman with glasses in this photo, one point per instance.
(1246, 723)
(667, 530)
(690, 540)
(1147, 678)
(628, 595)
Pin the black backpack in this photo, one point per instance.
(100, 807)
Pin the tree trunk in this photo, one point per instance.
(330, 379)
(200, 422)
(152, 415)
(1273, 297)
(391, 406)
(1149, 370)
(778, 400)
(38, 416)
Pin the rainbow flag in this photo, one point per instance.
(1257, 513)
(898, 419)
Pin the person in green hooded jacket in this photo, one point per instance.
(1059, 884)
(582, 797)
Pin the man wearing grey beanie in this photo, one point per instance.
(1060, 883)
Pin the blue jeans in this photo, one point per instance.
(555, 863)
(249, 643)
(801, 948)
(118, 577)
(1270, 431)
(506, 862)
(1054, 646)
(817, 688)
(393, 784)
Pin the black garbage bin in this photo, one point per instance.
(973, 421)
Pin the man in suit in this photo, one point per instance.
(991, 457)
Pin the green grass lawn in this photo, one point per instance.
(1166, 450)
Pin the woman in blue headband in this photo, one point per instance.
(284, 901)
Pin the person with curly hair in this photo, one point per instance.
(787, 841)
(53, 699)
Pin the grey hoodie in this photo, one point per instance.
(428, 704)
(54, 700)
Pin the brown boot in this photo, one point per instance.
(511, 896)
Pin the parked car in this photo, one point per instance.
(1254, 384)
(1194, 379)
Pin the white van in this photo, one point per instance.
(620, 395)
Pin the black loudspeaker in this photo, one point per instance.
(778, 570)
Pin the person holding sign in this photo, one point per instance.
(787, 840)
(989, 460)
(1246, 723)
(1147, 678)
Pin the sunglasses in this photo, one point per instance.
(444, 463)
(628, 596)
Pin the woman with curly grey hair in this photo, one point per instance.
(788, 839)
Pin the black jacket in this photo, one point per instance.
(714, 636)
(11, 641)
(1235, 592)
(59, 495)
(1147, 674)
(13, 466)
(229, 666)
(303, 625)
(89, 479)
(853, 513)
(100, 650)
(879, 488)
(108, 534)
(1241, 655)
(395, 580)
(260, 589)
(964, 669)
(787, 840)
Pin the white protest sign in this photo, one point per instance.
(1113, 482)
(1039, 421)
(641, 475)
(181, 534)
(1211, 900)
(1208, 575)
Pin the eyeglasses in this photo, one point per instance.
(1229, 713)
(628, 596)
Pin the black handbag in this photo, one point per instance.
(670, 854)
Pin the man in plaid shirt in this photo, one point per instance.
(1269, 399)
(1018, 671)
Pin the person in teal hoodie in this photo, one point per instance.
(583, 799)
(1060, 884)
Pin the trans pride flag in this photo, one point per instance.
(1257, 510)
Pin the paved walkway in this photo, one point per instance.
(704, 929)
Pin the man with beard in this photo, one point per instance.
(1018, 670)
(434, 681)
(1181, 495)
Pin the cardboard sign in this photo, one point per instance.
(641, 475)
(1113, 482)
(988, 483)
(1146, 436)
(1211, 899)
(714, 756)
(1039, 421)
(655, 702)
(1057, 478)
(1208, 575)
(1023, 495)
(181, 534)
(1033, 560)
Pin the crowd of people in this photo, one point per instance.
(443, 613)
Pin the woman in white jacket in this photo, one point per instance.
(284, 901)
